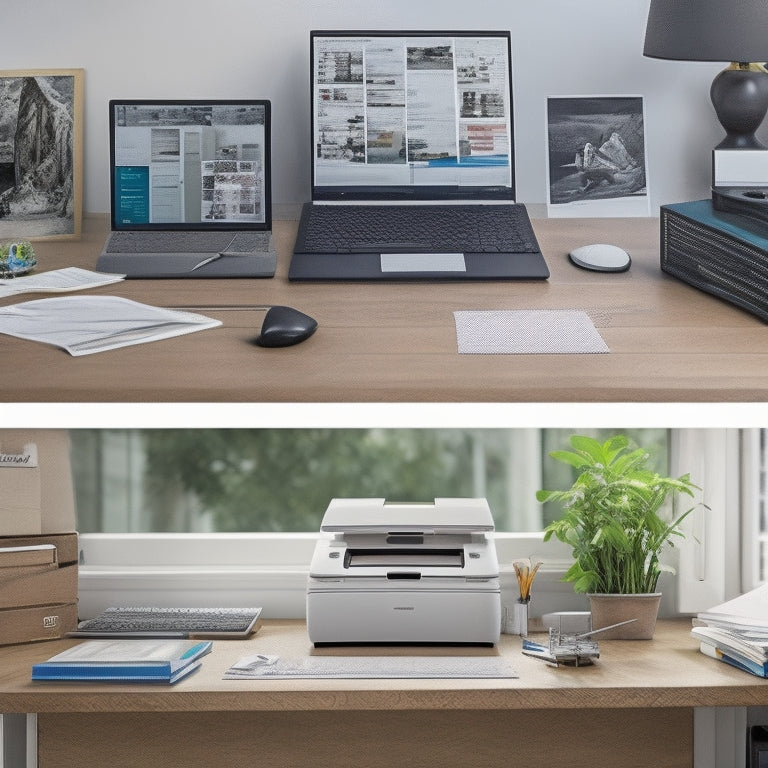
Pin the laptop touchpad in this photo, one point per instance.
(423, 262)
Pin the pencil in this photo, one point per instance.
(525, 570)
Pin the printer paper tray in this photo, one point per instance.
(404, 616)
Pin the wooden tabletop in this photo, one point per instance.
(385, 342)
(668, 671)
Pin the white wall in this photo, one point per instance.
(259, 49)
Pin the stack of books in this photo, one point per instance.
(736, 632)
(131, 661)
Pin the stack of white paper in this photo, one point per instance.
(736, 631)
(83, 325)
(56, 281)
(748, 611)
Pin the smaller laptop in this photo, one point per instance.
(190, 189)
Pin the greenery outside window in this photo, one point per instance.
(281, 480)
(230, 516)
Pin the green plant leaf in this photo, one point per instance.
(568, 457)
(614, 515)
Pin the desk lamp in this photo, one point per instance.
(719, 30)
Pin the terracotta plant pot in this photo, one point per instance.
(612, 609)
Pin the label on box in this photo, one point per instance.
(44, 622)
(26, 459)
(21, 497)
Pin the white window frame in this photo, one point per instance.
(750, 516)
(709, 570)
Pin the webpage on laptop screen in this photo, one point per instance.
(187, 163)
(412, 111)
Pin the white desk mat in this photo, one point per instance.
(369, 667)
(527, 332)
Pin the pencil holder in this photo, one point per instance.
(521, 617)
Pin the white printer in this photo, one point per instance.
(404, 573)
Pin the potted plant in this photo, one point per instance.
(612, 518)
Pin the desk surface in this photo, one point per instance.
(668, 671)
(397, 341)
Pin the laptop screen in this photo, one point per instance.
(411, 115)
(190, 165)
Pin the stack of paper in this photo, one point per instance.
(152, 661)
(736, 632)
(86, 324)
(57, 281)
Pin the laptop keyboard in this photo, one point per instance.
(420, 228)
(187, 242)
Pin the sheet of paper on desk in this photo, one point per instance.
(262, 666)
(527, 332)
(747, 611)
(83, 325)
(57, 281)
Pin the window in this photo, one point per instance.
(281, 480)
(231, 516)
(761, 555)
(755, 508)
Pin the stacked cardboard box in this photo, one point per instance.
(38, 542)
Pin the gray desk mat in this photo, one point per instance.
(526, 332)
(370, 667)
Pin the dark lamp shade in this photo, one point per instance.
(708, 30)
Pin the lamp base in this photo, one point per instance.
(740, 98)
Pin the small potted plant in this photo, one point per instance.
(613, 519)
(16, 259)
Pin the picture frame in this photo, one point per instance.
(596, 156)
(41, 154)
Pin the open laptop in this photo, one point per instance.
(413, 161)
(190, 189)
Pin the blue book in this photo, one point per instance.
(160, 661)
(742, 662)
(733, 648)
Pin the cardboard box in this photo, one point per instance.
(36, 481)
(67, 551)
(29, 588)
(45, 622)
(39, 602)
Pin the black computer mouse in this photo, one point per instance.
(284, 326)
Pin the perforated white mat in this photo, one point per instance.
(527, 332)
(261, 666)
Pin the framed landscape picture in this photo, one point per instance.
(596, 158)
(41, 154)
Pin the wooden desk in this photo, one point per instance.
(634, 707)
(397, 341)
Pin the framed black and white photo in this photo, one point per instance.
(596, 156)
(41, 151)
